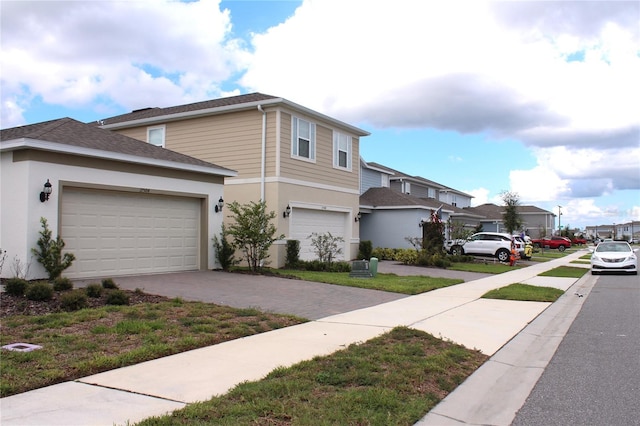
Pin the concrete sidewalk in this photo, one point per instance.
(130, 394)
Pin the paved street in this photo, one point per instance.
(594, 377)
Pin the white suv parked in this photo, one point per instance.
(485, 244)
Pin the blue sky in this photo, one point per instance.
(540, 98)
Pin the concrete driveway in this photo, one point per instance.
(271, 294)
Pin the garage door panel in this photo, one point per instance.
(114, 233)
(307, 221)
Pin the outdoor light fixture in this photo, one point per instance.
(286, 211)
(46, 191)
(218, 207)
(421, 223)
(358, 216)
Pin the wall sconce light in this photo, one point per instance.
(218, 207)
(46, 191)
(421, 223)
(286, 211)
(358, 216)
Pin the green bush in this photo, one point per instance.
(15, 286)
(318, 266)
(407, 256)
(39, 291)
(62, 284)
(365, 249)
(94, 290)
(224, 250)
(108, 283)
(293, 253)
(74, 301)
(49, 252)
(117, 297)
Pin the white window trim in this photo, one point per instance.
(164, 134)
(294, 140)
(384, 180)
(336, 150)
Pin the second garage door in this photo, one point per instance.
(307, 221)
(119, 233)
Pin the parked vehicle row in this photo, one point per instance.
(560, 243)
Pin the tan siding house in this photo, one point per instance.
(284, 153)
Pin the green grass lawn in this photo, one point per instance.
(414, 284)
(525, 292)
(565, 272)
(394, 379)
(89, 341)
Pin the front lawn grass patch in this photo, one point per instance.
(394, 379)
(485, 268)
(525, 292)
(414, 284)
(89, 341)
(565, 272)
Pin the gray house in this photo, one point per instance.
(393, 205)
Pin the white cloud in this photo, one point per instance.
(481, 196)
(136, 54)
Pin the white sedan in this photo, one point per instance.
(614, 256)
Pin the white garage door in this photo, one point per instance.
(304, 222)
(118, 233)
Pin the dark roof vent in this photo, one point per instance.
(141, 109)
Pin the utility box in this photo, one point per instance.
(373, 266)
(360, 269)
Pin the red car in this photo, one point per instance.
(560, 243)
(578, 241)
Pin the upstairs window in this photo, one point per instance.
(303, 139)
(155, 135)
(341, 151)
(384, 180)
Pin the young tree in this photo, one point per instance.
(511, 218)
(49, 252)
(253, 232)
(326, 246)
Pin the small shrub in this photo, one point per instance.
(15, 286)
(108, 283)
(293, 253)
(62, 284)
(49, 252)
(365, 249)
(224, 250)
(73, 301)
(39, 291)
(94, 290)
(117, 297)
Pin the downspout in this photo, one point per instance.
(264, 149)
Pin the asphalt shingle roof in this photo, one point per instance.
(68, 131)
(145, 113)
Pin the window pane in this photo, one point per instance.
(156, 137)
(303, 147)
(342, 159)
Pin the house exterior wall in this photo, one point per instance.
(234, 140)
(23, 173)
(388, 228)
(369, 179)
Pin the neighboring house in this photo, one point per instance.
(303, 164)
(121, 206)
(423, 188)
(393, 204)
(536, 222)
(629, 231)
(390, 217)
